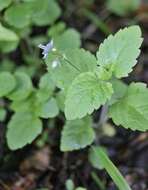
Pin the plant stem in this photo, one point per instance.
(72, 64)
(98, 181)
(103, 116)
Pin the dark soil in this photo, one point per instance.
(34, 167)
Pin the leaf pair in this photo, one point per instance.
(38, 12)
(116, 57)
(29, 105)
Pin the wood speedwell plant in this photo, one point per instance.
(84, 82)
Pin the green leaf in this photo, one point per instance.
(4, 4)
(70, 38)
(7, 47)
(49, 109)
(132, 110)
(77, 134)
(122, 7)
(23, 128)
(86, 94)
(119, 89)
(8, 40)
(118, 53)
(102, 159)
(46, 87)
(69, 184)
(29, 105)
(23, 87)
(56, 29)
(94, 159)
(7, 65)
(7, 35)
(45, 12)
(7, 83)
(18, 15)
(60, 98)
(77, 61)
(2, 114)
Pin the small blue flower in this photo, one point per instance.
(46, 48)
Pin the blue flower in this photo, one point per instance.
(46, 48)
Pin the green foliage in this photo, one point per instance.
(23, 128)
(7, 35)
(23, 87)
(77, 82)
(8, 39)
(60, 98)
(100, 160)
(44, 12)
(49, 109)
(7, 83)
(86, 93)
(4, 4)
(36, 12)
(46, 87)
(112, 53)
(7, 65)
(131, 111)
(119, 89)
(18, 15)
(70, 186)
(75, 61)
(70, 38)
(77, 134)
(122, 7)
(56, 30)
(2, 114)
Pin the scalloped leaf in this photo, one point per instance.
(118, 53)
(131, 111)
(86, 94)
(23, 128)
(23, 87)
(78, 61)
(7, 83)
(77, 134)
(18, 15)
(4, 4)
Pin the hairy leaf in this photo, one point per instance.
(44, 12)
(2, 114)
(118, 53)
(46, 87)
(77, 134)
(70, 38)
(23, 87)
(86, 94)
(119, 88)
(131, 111)
(4, 4)
(7, 35)
(49, 109)
(76, 61)
(122, 7)
(18, 15)
(23, 128)
(7, 83)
